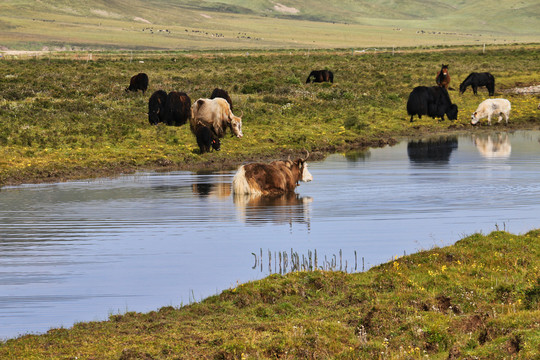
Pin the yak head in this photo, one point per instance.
(474, 118)
(235, 123)
(452, 112)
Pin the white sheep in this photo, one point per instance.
(492, 107)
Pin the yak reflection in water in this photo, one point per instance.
(493, 146)
(437, 150)
(285, 209)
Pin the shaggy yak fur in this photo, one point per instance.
(138, 82)
(433, 101)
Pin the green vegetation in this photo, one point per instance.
(242, 24)
(477, 299)
(70, 118)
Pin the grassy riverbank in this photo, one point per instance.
(68, 118)
(477, 299)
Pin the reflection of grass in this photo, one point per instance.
(476, 299)
(67, 118)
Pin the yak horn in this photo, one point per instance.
(241, 115)
(307, 155)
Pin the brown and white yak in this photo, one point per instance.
(276, 178)
(216, 114)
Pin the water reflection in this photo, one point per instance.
(284, 209)
(215, 190)
(493, 145)
(435, 150)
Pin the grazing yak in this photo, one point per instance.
(320, 76)
(138, 82)
(478, 79)
(220, 93)
(215, 113)
(490, 107)
(275, 178)
(433, 101)
(177, 108)
(156, 107)
(206, 139)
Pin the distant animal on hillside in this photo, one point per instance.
(177, 108)
(320, 76)
(206, 139)
(490, 107)
(443, 78)
(433, 101)
(215, 113)
(275, 178)
(156, 107)
(478, 79)
(138, 82)
(222, 94)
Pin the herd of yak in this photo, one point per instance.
(435, 102)
(175, 109)
(209, 118)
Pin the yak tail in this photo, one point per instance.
(240, 184)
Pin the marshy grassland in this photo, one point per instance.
(69, 117)
(476, 299)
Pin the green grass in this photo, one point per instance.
(70, 118)
(476, 299)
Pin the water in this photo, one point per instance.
(81, 251)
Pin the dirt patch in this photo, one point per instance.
(141, 20)
(533, 89)
(285, 9)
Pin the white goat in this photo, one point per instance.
(492, 107)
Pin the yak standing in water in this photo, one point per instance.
(478, 79)
(320, 76)
(138, 82)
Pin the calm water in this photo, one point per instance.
(80, 251)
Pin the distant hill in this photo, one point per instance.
(230, 24)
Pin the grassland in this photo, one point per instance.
(477, 299)
(240, 24)
(65, 118)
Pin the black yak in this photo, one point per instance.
(433, 101)
(156, 107)
(177, 108)
(206, 139)
(478, 79)
(320, 76)
(222, 94)
(138, 82)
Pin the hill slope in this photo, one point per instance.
(226, 24)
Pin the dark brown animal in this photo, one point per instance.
(138, 82)
(320, 76)
(443, 78)
(275, 178)
(177, 108)
(156, 107)
(206, 139)
(222, 94)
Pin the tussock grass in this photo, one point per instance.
(70, 118)
(476, 299)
